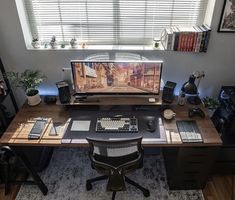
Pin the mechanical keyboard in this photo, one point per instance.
(117, 124)
(189, 131)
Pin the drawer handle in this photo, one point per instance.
(191, 172)
(194, 162)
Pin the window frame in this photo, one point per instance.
(121, 46)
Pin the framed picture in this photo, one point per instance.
(227, 20)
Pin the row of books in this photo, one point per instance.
(194, 39)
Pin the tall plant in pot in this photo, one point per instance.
(28, 80)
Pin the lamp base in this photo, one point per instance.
(194, 100)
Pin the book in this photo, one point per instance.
(203, 38)
(164, 38)
(208, 33)
(199, 38)
(186, 38)
(173, 37)
(169, 33)
(195, 35)
(176, 42)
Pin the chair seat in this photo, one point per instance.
(117, 161)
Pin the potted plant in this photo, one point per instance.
(73, 42)
(53, 42)
(28, 80)
(211, 104)
(35, 42)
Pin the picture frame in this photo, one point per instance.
(227, 19)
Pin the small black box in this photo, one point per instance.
(50, 99)
(168, 92)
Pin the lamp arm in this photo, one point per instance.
(198, 75)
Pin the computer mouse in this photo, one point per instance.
(151, 126)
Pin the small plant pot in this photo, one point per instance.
(35, 44)
(54, 45)
(34, 100)
(74, 44)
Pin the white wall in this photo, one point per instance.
(218, 63)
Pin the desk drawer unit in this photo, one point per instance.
(225, 160)
(188, 167)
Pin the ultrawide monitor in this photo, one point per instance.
(116, 77)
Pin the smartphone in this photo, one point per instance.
(37, 129)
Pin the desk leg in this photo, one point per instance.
(31, 169)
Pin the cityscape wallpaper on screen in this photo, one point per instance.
(116, 77)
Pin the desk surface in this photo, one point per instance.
(17, 132)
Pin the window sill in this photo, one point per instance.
(101, 47)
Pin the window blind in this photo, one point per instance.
(110, 21)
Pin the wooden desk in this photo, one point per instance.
(188, 165)
(17, 132)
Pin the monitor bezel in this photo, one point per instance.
(117, 93)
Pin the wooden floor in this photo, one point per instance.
(218, 188)
(12, 195)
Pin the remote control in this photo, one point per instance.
(37, 129)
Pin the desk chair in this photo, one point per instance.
(114, 159)
(7, 158)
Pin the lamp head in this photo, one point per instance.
(189, 87)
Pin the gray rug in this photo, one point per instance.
(68, 170)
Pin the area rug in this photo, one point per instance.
(69, 169)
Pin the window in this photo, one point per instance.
(111, 22)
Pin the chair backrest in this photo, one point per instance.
(116, 158)
(117, 151)
(115, 148)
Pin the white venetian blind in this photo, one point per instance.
(110, 21)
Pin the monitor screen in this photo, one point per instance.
(116, 77)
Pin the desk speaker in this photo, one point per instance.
(168, 92)
(64, 92)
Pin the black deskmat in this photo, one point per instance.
(87, 124)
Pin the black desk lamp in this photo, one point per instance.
(190, 88)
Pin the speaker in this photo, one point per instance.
(67, 76)
(64, 92)
(168, 92)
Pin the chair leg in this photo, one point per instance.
(113, 195)
(145, 191)
(99, 178)
(6, 178)
(90, 181)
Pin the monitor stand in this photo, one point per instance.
(116, 100)
(85, 99)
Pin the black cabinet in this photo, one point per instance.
(225, 160)
(188, 167)
(224, 121)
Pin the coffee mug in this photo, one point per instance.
(168, 114)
